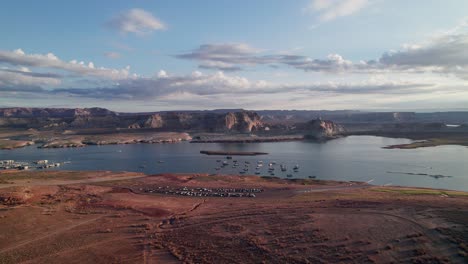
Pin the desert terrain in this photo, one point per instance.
(78, 127)
(11, 139)
(108, 217)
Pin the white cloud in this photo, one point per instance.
(225, 57)
(237, 56)
(328, 10)
(49, 61)
(137, 21)
(162, 74)
(442, 54)
(199, 84)
(201, 90)
(22, 79)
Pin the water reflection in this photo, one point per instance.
(359, 158)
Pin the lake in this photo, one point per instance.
(354, 158)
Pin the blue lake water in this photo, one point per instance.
(354, 158)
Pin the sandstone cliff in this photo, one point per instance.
(63, 118)
(323, 129)
(25, 112)
(240, 121)
(243, 121)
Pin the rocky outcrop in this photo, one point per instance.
(323, 129)
(63, 119)
(56, 118)
(244, 122)
(24, 112)
(241, 122)
(154, 121)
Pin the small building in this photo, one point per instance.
(7, 162)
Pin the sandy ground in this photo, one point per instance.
(104, 217)
(432, 142)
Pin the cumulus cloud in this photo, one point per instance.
(328, 10)
(19, 58)
(22, 80)
(46, 75)
(162, 74)
(136, 21)
(197, 88)
(199, 84)
(443, 54)
(237, 56)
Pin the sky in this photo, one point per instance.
(134, 56)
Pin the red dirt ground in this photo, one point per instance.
(103, 217)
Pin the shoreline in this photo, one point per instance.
(429, 143)
(109, 175)
(75, 141)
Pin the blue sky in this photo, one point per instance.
(309, 54)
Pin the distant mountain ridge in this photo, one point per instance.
(64, 118)
(21, 112)
(352, 116)
(220, 120)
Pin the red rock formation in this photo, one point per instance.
(154, 121)
(244, 121)
(323, 129)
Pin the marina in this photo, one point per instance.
(24, 165)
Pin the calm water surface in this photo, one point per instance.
(357, 158)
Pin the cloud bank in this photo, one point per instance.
(419, 73)
(445, 54)
(18, 58)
